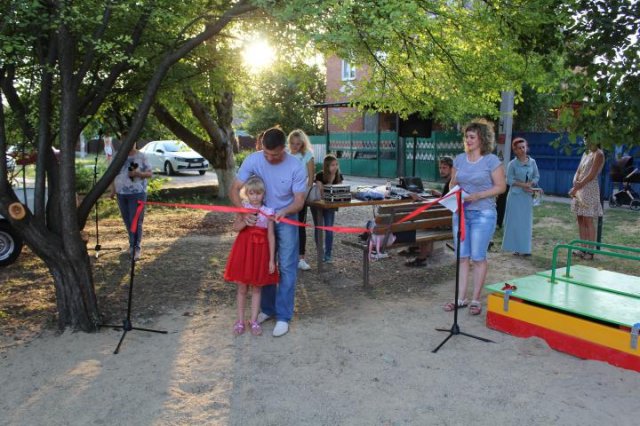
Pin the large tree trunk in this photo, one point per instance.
(219, 149)
(75, 296)
(69, 264)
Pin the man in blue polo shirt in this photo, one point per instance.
(285, 182)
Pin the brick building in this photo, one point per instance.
(342, 78)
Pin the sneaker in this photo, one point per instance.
(327, 259)
(303, 265)
(136, 256)
(263, 317)
(281, 328)
(416, 263)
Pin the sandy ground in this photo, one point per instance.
(352, 357)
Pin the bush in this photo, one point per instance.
(239, 157)
(84, 177)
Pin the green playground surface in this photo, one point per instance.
(614, 299)
(614, 282)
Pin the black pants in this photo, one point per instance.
(302, 231)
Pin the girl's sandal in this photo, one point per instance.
(450, 306)
(238, 328)
(475, 307)
(256, 329)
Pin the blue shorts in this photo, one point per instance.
(479, 228)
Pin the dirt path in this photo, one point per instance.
(353, 357)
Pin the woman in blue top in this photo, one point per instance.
(480, 174)
(522, 176)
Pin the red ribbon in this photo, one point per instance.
(340, 229)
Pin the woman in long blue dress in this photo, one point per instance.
(522, 176)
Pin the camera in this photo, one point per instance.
(132, 167)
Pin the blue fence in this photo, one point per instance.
(557, 167)
(384, 155)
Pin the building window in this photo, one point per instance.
(348, 71)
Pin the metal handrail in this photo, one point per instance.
(573, 246)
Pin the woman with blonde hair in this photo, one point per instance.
(481, 175)
(300, 147)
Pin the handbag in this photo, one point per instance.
(313, 194)
(537, 196)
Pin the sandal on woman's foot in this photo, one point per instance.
(450, 306)
(256, 329)
(586, 256)
(475, 307)
(238, 328)
(408, 252)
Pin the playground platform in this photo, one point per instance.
(581, 310)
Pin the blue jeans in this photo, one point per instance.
(479, 228)
(329, 218)
(128, 204)
(279, 300)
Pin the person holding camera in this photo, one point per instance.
(130, 186)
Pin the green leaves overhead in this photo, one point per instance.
(447, 58)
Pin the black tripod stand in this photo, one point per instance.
(98, 246)
(126, 323)
(455, 328)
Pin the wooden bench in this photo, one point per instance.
(433, 224)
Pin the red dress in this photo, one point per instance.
(248, 262)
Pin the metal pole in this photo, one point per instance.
(506, 124)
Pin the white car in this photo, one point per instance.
(174, 156)
(11, 164)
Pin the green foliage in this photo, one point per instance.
(534, 111)
(285, 94)
(603, 55)
(240, 156)
(449, 59)
(154, 186)
(84, 175)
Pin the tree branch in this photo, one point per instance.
(201, 113)
(90, 49)
(167, 119)
(211, 29)
(92, 101)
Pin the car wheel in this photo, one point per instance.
(10, 244)
(635, 205)
(202, 172)
(168, 169)
(613, 202)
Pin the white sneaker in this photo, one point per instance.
(281, 328)
(302, 264)
(262, 317)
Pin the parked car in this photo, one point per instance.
(174, 156)
(10, 243)
(11, 163)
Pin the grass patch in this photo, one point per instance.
(554, 223)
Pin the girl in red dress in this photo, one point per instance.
(252, 262)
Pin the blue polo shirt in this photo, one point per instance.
(281, 180)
